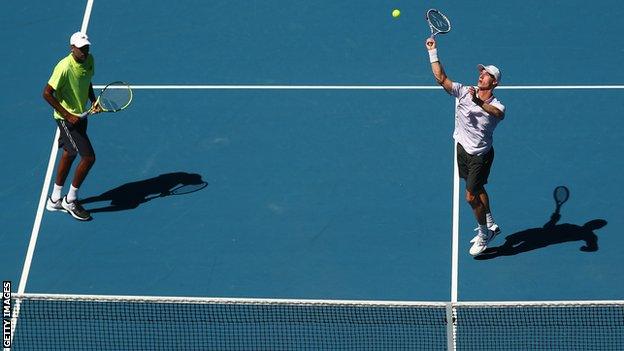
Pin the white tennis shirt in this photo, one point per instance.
(474, 128)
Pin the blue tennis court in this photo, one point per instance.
(326, 148)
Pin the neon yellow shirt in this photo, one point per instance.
(70, 81)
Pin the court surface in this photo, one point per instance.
(317, 192)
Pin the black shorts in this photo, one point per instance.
(474, 169)
(74, 138)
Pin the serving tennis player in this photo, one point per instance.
(477, 114)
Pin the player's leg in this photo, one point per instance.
(65, 163)
(82, 170)
(80, 140)
(484, 235)
(466, 165)
(473, 197)
(54, 200)
(479, 170)
(485, 199)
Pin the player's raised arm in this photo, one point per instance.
(436, 66)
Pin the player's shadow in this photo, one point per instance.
(130, 195)
(550, 234)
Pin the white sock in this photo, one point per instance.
(72, 195)
(489, 219)
(56, 192)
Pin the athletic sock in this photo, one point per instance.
(72, 195)
(489, 219)
(56, 192)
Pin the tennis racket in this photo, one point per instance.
(561, 195)
(115, 97)
(438, 22)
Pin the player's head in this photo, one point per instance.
(79, 44)
(489, 76)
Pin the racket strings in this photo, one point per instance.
(188, 188)
(439, 21)
(115, 97)
(561, 194)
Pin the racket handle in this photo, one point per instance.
(84, 114)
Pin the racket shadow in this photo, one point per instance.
(131, 195)
(549, 234)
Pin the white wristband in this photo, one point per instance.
(433, 55)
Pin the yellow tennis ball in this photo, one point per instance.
(396, 13)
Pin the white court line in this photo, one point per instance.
(350, 87)
(455, 227)
(34, 235)
(87, 16)
(451, 328)
(37, 224)
(558, 87)
(46, 184)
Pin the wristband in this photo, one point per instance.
(433, 55)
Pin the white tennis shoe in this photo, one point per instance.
(481, 242)
(75, 209)
(55, 206)
(494, 227)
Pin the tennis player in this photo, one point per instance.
(477, 114)
(67, 92)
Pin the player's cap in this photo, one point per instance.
(491, 69)
(79, 39)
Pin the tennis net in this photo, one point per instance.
(572, 325)
(79, 322)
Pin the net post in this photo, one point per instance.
(450, 327)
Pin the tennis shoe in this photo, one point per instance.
(481, 242)
(493, 227)
(75, 210)
(55, 206)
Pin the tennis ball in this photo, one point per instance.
(396, 13)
